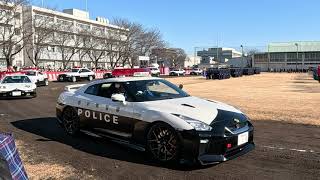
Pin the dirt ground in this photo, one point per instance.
(293, 98)
(280, 105)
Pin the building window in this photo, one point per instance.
(312, 56)
(277, 57)
(17, 15)
(17, 31)
(292, 57)
(261, 57)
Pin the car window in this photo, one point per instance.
(85, 70)
(74, 70)
(16, 79)
(159, 87)
(153, 90)
(30, 73)
(108, 89)
(92, 90)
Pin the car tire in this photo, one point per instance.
(46, 82)
(73, 79)
(70, 121)
(162, 142)
(90, 78)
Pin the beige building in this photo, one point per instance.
(60, 38)
(68, 25)
(288, 56)
(10, 32)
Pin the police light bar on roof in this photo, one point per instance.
(141, 74)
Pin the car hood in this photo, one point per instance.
(193, 107)
(18, 86)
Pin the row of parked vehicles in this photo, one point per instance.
(24, 83)
(226, 73)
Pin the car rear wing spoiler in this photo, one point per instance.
(72, 88)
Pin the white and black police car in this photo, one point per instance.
(17, 86)
(154, 115)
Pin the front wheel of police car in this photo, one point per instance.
(163, 143)
(70, 121)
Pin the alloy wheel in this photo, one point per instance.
(163, 143)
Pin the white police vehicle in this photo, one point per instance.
(37, 77)
(196, 71)
(16, 86)
(154, 115)
(177, 72)
(77, 74)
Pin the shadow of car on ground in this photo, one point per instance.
(50, 130)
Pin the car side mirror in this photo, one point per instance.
(180, 86)
(119, 98)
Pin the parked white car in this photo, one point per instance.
(155, 71)
(77, 74)
(17, 85)
(37, 77)
(177, 72)
(196, 71)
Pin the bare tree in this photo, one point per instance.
(97, 50)
(68, 44)
(84, 38)
(139, 41)
(12, 33)
(40, 40)
(174, 57)
(117, 49)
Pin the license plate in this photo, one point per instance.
(243, 138)
(16, 93)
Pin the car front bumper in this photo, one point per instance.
(209, 148)
(22, 94)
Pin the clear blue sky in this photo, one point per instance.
(190, 23)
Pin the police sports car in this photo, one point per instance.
(17, 85)
(154, 115)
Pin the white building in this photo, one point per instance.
(71, 24)
(10, 32)
(61, 38)
(219, 55)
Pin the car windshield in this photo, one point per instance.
(30, 73)
(74, 70)
(153, 90)
(16, 79)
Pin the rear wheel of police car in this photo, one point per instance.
(71, 121)
(163, 143)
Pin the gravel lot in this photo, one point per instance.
(283, 107)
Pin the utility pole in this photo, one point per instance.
(241, 55)
(296, 44)
(86, 5)
(42, 4)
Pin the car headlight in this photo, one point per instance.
(27, 86)
(3, 87)
(197, 125)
